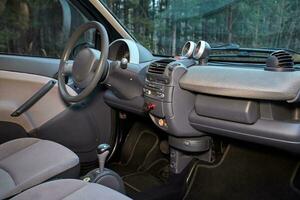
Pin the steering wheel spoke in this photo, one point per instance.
(67, 68)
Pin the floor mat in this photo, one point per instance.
(140, 181)
(142, 165)
(246, 173)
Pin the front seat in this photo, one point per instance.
(70, 189)
(27, 162)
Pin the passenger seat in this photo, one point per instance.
(70, 189)
(27, 162)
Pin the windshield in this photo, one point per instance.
(163, 26)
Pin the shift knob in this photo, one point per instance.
(102, 148)
(102, 151)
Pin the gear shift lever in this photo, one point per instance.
(102, 151)
(103, 176)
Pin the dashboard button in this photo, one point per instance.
(161, 95)
(151, 106)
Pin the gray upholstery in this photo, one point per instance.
(70, 189)
(6, 182)
(253, 83)
(27, 162)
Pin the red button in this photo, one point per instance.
(151, 106)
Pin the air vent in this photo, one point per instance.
(280, 61)
(158, 67)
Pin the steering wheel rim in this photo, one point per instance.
(97, 66)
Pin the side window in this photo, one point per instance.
(39, 27)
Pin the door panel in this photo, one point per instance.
(32, 65)
(80, 127)
(43, 31)
(10, 131)
(16, 88)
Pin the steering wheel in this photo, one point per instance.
(87, 68)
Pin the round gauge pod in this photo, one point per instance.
(202, 50)
(188, 49)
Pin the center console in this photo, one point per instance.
(158, 92)
(169, 107)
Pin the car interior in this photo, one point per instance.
(149, 100)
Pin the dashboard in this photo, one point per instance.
(190, 98)
(118, 50)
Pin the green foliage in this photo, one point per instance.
(161, 24)
(37, 27)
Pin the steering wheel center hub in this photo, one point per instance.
(84, 66)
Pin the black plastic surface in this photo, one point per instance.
(282, 134)
(81, 128)
(107, 178)
(280, 61)
(135, 105)
(176, 105)
(125, 83)
(196, 144)
(237, 110)
(11, 131)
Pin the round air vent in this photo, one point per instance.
(280, 61)
(188, 49)
(201, 52)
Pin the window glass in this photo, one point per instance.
(165, 25)
(39, 27)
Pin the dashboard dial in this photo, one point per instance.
(202, 50)
(122, 52)
(129, 49)
(119, 50)
(188, 49)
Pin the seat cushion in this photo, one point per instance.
(27, 162)
(70, 189)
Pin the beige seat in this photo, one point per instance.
(27, 162)
(70, 189)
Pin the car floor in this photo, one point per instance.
(142, 165)
(243, 171)
(247, 172)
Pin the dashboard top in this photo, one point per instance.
(252, 83)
